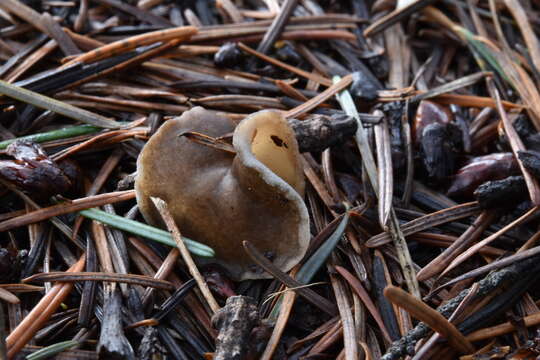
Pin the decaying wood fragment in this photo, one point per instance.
(235, 322)
(320, 131)
(112, 342)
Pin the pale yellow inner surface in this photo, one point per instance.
(279, 159)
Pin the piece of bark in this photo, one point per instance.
(364, 87)
(531, 161)
(505, 193)
(441, 146)
(235, 322)
(148, 347)
(112, 342)
(320, 131)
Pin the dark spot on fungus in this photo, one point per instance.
(277, 140)
(270, 255)
(256, 269)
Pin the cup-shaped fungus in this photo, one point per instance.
(222, 198)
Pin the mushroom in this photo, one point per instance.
(222, 198)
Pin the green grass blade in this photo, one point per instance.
(147, 231)
(314, 263)
(485, 52)
(52, 350)
(63, 133)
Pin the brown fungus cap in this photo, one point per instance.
(222, 199)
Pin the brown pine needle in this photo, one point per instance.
(293, 69)
(474, 101)
(9, 297)
(430, 317)
(134, 279)
(471, 234)
(356, 285)
(321, 98)
(193, 270)
(427, 221)
(504, 328)
(41, 313)
(118, 47)
(475, 248)
(66, 208)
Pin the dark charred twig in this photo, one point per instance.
(88, 297)
(396, 16)
(274, 31)
(174, 300)
(531, 161)
(517, 145)
(507, 261)
(142, 15)
(500, 302)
